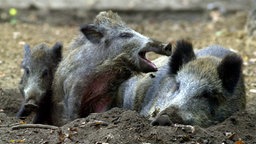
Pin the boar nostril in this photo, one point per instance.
(22, 118)
(155, 123)
(31, 105)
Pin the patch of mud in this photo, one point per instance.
(125, 126)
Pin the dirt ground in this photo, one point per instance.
(118, 125)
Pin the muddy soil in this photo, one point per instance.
(118, 125)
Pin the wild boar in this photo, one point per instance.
(201, 88)
(39, 66)
(104, 55)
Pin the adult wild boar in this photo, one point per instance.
(196, 89)
(104, 55)
(39, 66)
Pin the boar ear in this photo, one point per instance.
(182, 54)
(92, 33)
(57, 51)
(27, 52)
(230, 70)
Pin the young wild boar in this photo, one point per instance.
(196, 89)
(39, 66)
(104, 55)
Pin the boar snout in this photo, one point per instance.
(26, 109)
(162, 120)
(159, 48)
(33, 95)
(168, 117)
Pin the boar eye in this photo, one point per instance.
(177, 86)
(45, 73)
(205, 94)
(27, 71)
(126, 35)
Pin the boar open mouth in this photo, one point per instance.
(145, 64)
(26, 110)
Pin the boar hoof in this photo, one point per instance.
(162, 120)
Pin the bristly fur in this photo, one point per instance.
(39, 51)
(109, 19)
(105, 19)
(100, 60)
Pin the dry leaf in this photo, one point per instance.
(2, 74)
(17, 141)
(22, 122)
(239, 142)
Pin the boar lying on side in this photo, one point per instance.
(39, 66)
(197, 89)
(104, 55)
